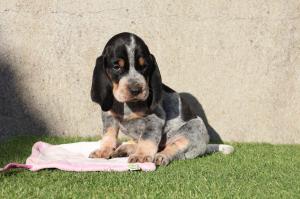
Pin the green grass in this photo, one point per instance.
(253, 171)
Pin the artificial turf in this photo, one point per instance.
(252, 171)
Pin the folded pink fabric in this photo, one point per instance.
(74, 157)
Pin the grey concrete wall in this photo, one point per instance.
(240, 59)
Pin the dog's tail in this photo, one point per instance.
(223, 148)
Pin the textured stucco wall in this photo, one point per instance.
(239, 58)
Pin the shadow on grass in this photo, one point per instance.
(16, 149)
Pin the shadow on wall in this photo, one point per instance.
(16, 118)
(198, 109)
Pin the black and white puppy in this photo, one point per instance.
(128, 87)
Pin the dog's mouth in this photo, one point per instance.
(132, 98)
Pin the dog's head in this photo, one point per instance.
(126, 71)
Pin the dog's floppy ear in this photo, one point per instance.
(155, 85)
(101, 91)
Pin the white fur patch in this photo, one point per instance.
(131, 55)
(223, 148)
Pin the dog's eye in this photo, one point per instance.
(118, 65)
(116, 68)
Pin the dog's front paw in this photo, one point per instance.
(102, 153)
(161, 159)
(133, 158)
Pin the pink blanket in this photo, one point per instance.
(74, 157)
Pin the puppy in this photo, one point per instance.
(128, 87)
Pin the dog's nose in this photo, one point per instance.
(135, 90)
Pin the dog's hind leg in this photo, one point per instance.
(189, 142)
(172, 150)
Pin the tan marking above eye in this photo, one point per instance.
(141, 61)
(121, 62)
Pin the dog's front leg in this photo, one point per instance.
(148, 142)
(109, 137)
